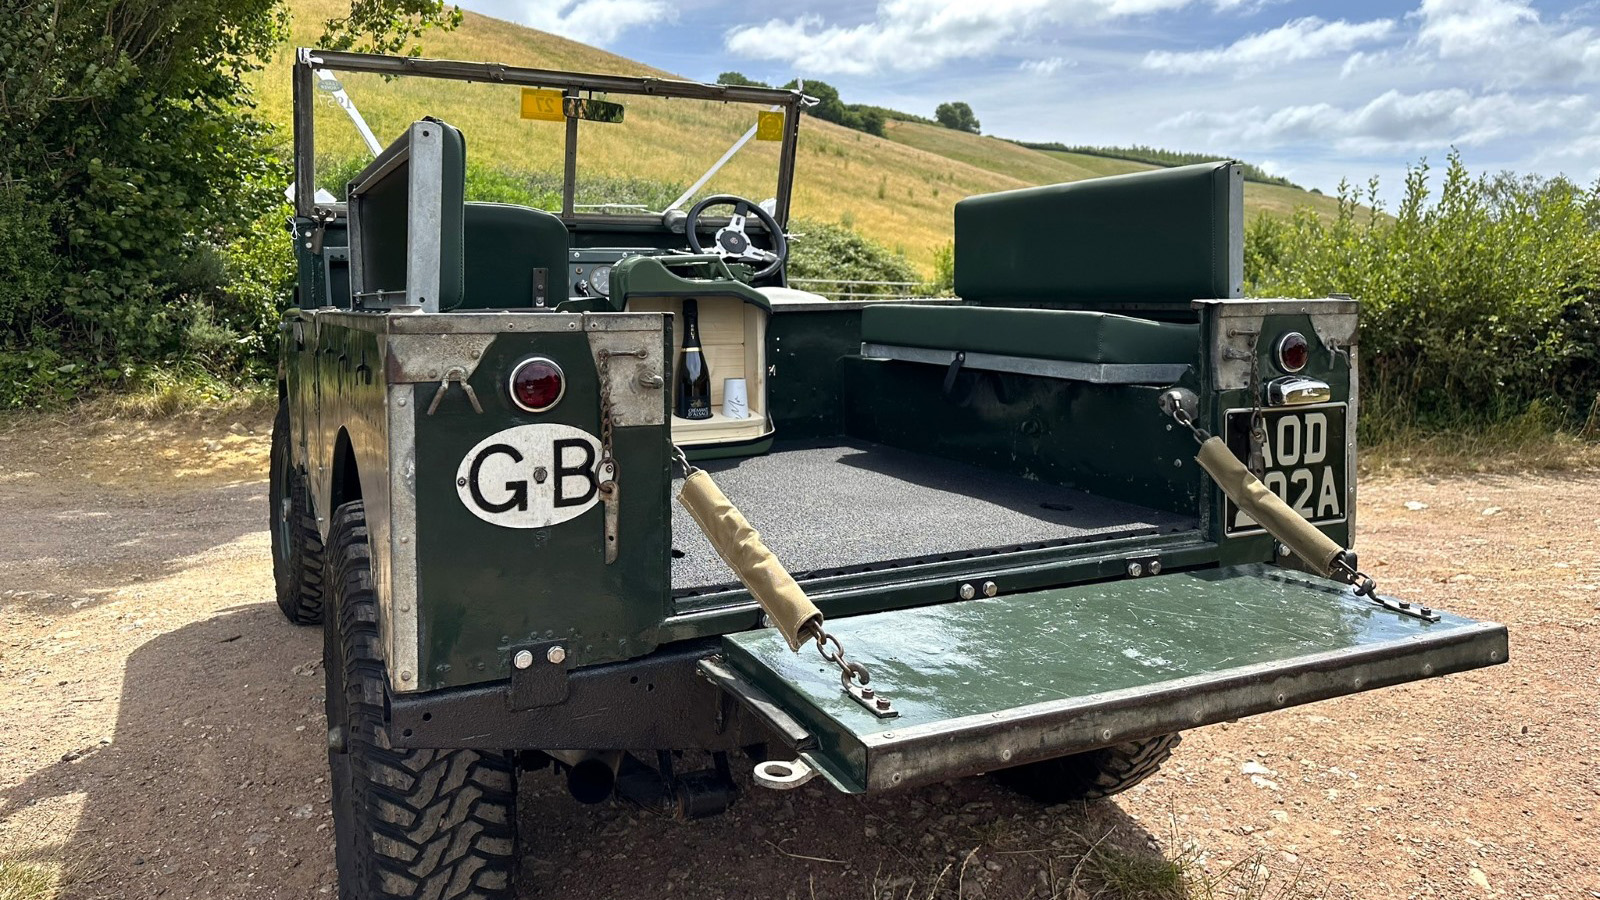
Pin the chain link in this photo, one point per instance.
(848, 671)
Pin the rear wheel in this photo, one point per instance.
(296, 544)
(1093, 775)
(439, 824)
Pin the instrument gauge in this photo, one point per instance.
(600, 280)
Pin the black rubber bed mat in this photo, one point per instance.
(841, 507)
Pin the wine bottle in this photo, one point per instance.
(694, 376)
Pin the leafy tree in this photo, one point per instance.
(133, 171)
(385, 26)
(956, 115)
(739, 80)
(830, 108)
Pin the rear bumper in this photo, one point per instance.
(659, 702)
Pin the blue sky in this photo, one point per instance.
(1315, 91)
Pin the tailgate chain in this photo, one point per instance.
(1343, 567)
(606, 470)
(853, 676)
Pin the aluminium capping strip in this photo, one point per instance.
(1094, 373)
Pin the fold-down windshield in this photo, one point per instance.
(529, 143)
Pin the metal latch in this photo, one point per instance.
(458, 374)
(321, 216)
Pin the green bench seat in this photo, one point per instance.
(1076, 344)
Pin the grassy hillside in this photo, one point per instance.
(1051, 166)
(899, 191)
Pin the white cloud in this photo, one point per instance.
(597, 22)
(1044, 67)
(1394, 121)
(1293, 41)
(917, 35)
(1507, 43)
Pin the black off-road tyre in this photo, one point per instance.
(296, 545)
(434, 824)
(1090, 776)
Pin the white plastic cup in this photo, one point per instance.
(735, 399)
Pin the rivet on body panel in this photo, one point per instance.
(401, 401)
(405, 674)
(1105, 735)
(1427, 668)
(1280, 698)
(1005, 755)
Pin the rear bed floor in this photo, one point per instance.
(834, 507)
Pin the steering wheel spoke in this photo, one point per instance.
(733, 241)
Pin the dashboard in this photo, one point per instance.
(589, 269)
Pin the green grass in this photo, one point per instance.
(35, 876)
(900, 192)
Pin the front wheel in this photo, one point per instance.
(1091, 776)
(408, 824)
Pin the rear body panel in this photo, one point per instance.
(987, 684)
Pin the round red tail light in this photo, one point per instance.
(537, 384)
(1293, 352)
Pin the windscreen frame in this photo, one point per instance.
(309, 60)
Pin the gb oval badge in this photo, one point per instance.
(531, 476)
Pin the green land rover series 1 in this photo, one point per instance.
(989, 541)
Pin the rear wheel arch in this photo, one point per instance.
(346, 484)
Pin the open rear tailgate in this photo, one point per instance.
(986, 684)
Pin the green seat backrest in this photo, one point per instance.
(504, 245)
(1166, 236)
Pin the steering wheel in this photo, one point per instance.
(731, 241)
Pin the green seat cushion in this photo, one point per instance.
(1060, 334)
(1166, 236)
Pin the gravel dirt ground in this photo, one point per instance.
(162, 727)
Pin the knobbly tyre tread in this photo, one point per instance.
(430, 824)
(1091, 776)
(296, 568)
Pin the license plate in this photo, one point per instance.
(1307, 463)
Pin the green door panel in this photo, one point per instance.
(986, 684)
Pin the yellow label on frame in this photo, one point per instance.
(769, 125)
(543, 104)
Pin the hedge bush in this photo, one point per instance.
(1478, 304)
